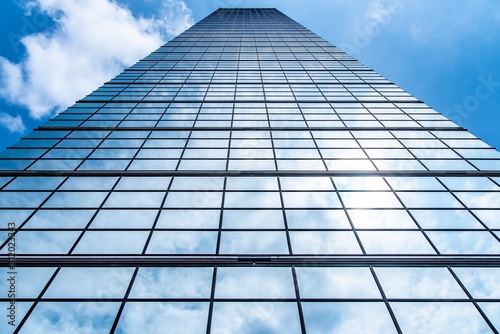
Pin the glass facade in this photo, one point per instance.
(249, 177)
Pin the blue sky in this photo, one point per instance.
(53, 52)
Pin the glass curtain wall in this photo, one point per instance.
(249, 177)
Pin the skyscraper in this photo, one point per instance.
(249, 177)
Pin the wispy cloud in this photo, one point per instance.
(175, 17)
(378, 15)
(12, 123)
(91, 42)
(381, 12)
(448, 25)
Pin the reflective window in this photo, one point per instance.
(34, 183)
(75, 199)
(370, 200)
(347, 317)
(445, 219)
(439, 316)
(143, 183)
(324, 283)
(254, 282)
(134, 200)
(111, 242)
(251, 183)
(44, 242)
(465, 242)
(186, 219)
(252, 200)
(414, 183)
(22, 199)
(252, 219)
(172, 283)
(182, 242)
(154, 316)
(255, 317)
(27, 287)
(61, 317)
(197, 183)
(419, 283)
(82, 283)
(307, 199)
(479, 199)
(60, 219)
(482, 283)
(330, 243)
(250, 177)
(360, 183)
(196, 199)
(381, 219)
(395, 242)
(429, 200)
(89, 183)
(250, 242)
(311, 219)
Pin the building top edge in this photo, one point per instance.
(221, 8)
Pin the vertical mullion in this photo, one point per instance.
(124, 301)
(160, 209)
(386, 302)
(420, 229)
(473, 300)
(299, 302)
(353, 228)
(212, 297)
(219, 230)
(85, 229)
(37, 301)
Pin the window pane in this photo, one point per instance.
(347, 317)
(401, 242)
(311, 219)
(154, 317)
(341, 242)
(90, 283)
(172, 283)
(253, 243)
(189, 219)
(250, 219)
(58, 317)
(252, 200)
(182, 242)
(255, 317)
(254, 282)
(439, 317)
(336, 283)
(419, 283)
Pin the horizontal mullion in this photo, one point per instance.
(229, 128)
(249, 101)
(243, 260)
(247, 70)
(243, 173)
(311, 82)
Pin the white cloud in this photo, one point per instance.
(378, 16)
(12, 123)
(439, 317)
(92, 41)
(160, 317)
(382, 12)
(176, 17)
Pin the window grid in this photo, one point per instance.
(270, 176)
